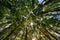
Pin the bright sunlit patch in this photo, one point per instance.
(41, 19)
(21, 32)
(26, 6)
(57, 34)
(34, 38)
(1, 29)
(51, 25)
(8, 25)
(31, 23)
(17, 38)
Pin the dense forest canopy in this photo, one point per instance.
(29, 19)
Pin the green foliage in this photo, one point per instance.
(27, 19)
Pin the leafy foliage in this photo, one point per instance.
(26, 20)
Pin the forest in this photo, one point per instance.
(29, 19)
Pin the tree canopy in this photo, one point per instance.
(29, 20)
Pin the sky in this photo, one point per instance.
(40, 1)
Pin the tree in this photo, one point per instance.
(28, 20)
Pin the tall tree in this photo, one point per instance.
(28, 20)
